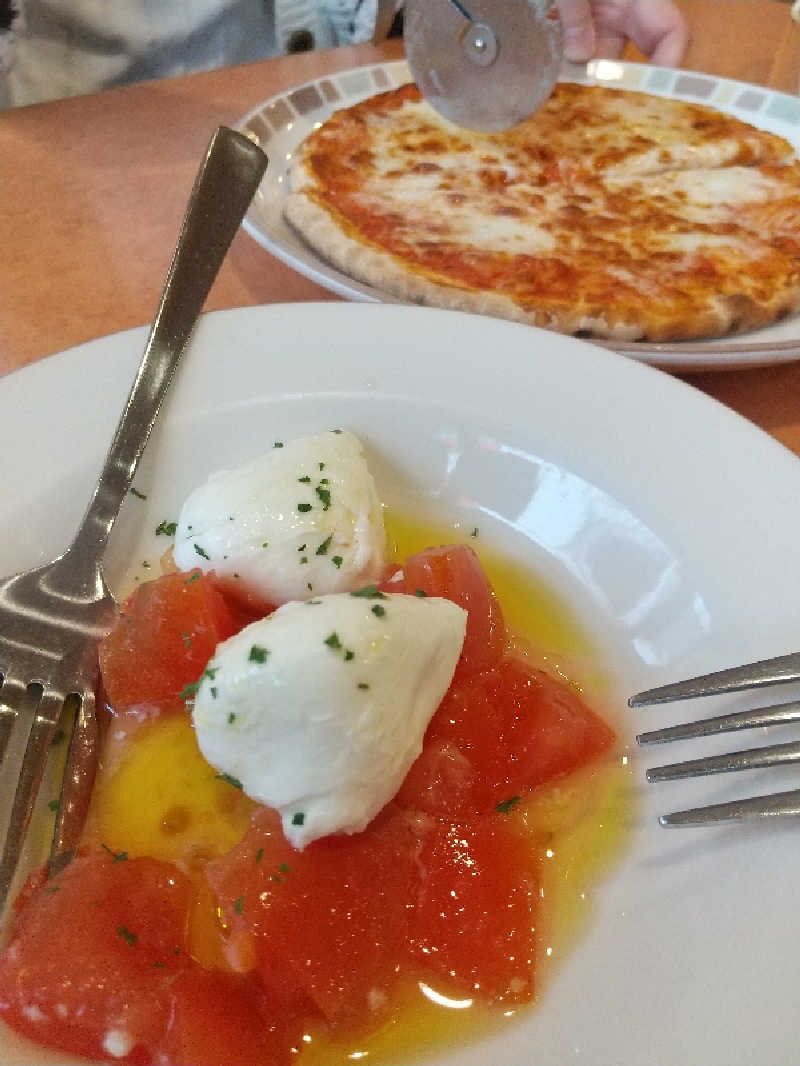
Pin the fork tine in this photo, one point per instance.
(78, 779)
(28, 779)
(751, 759)
(778, 671)
(774, 714)
(772, 806)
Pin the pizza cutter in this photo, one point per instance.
(484, 64)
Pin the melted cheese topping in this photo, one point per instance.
(607, 209)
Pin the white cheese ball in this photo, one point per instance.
(319, 709)
(302, 520)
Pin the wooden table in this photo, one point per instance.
(93, 190)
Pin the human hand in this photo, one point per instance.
(600, 28)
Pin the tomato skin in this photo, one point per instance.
(474, 916)
(498, 735)
(167, 632)
(455, 573)
(327, 923)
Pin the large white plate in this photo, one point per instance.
(667, 522)
(282, 122)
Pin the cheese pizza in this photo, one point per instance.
(608, 213)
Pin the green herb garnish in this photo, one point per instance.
(229, 779)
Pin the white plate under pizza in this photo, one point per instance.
(282, 123)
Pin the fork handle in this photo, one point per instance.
(224, 186)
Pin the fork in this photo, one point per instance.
(783, 669)
(53, 617)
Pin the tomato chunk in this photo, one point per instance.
(98, 965)
(474, 917)
(455, 573)
(91, 957)
(328, 922)
(226, 1018)
(498, 735)
(166, 634)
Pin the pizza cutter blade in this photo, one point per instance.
(484, 64)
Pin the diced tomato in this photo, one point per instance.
(455, 573)
(167, 632)
(327, 922)
(224, 1019)
(474, 916)
(499, 735)
(97, 965)
(91, 957)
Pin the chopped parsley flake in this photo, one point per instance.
(166, 529)
(278, 444)
(363, 684)
(507, 805)
(370, 592)
(258, 654)
(213, 691)
(117, 856)
(305, 480)
(259, 855)
(137, 494)
(304, 560)
(303, 507)
(284, 868)
(302, 547)
(336, 431)
(189, 691)
(378, 610)
(420, 592)
(333, 641)
(324, 496)
(322, 466)
(239, 905)
(298, 818)
(195, 576)
(323, 548)
(145, 564)
(187, 640)
(53, 805)
(229, 779)
(265, 544)
(231, 718)
(337, 561)
(349, 655)
(129, 937)
(200, 551)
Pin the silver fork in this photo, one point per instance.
(767, 672)
(52, 617)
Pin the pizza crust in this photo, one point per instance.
(750, 302)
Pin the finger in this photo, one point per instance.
(671, 49)
(610, 45)
(578, 28)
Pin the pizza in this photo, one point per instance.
(609, 213)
